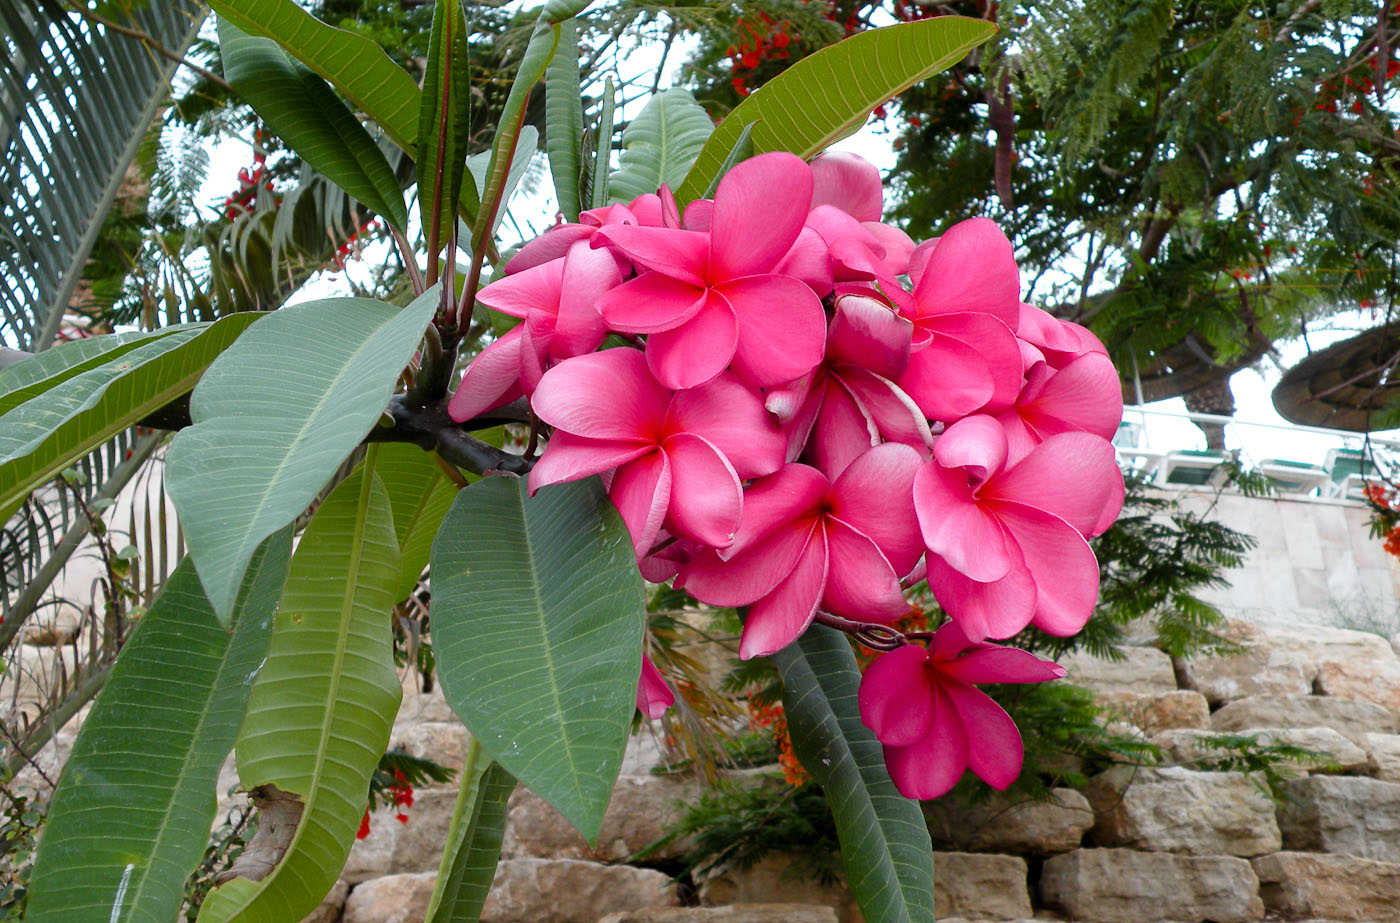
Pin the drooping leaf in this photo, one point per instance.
(54, 426)
(132, 812)
(420, 494)
(323, 705)
(828, 95)
(885, 844)
(33, 376)
(276, 416)
(537, 627)
(443, 123)
(474, 837)
(660, 145)
(563, 122)
(307, 114)
(602, 165)
(478, 164)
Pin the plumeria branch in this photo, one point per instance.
(430, 428)
(873, 635)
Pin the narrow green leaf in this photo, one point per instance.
(323, 705)
(563, 109)
(660, 145)
(602, 165)
(443, 124)
(742, 150)
(473, 840)
(40, 372)
(828, 95)
(132, 812)
(885, 845)
(537, 626)
(307, 114)
(55, 425)
(479, 164)
(275, 417)
(420, 494)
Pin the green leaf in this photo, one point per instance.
(444, 124)
(132, 812)
(55, 425)
(324, 703)
(885, 844)
(602, 164)
(660, 145)
(537, 625)
(563, 121)
(38, 373)
(275, 417)
(419, 494)
(479, 164)
(473, 841)
(304, 112)
(742, 150)
(828, 95)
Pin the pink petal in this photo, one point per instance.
(1062, 564)
(1001, 665)
(897, 245)
(849, 182)
(948, 642)
(984, 610)
(699, 215)
(794, 492)
(973, 269)
(962, 532)
(977, 444)
(551, 245)
(994, 744)
(932, 766)
(1075, 476)
(568, 458)
(760, 207)
(776, 620)
(682, 255)
(489, 380)
(896, 696)
(533, 289)
(807, 261)
(653, 695)
(706, 497)
(782, 328)
(948, 379)
(867, 333)
(698, 349)
(650, 302)
(641, 490)
(998, 347)
(896, 415)
(918, 259)
(1084, 395)
(860, 583)
(749, 576)
(606, 395)
(731, 416)
(875, 495)
(843, 431)
(670, 210)
(588, 275)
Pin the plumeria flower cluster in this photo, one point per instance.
(809, 413)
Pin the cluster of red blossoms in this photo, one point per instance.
(251, 184)
(401, 793)
(814, 413)
(1385, 516)
(758, 42)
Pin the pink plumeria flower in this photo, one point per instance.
(654, 696)
(924, 707)
(807, 542)
(680, 457)
(649, 210)
(850, 402)
(711, 299)
(1007, 544)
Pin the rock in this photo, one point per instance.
(1178, 810)
(1384, 750)
(443, 742)
(1181, 708)
(393, 847)
(643, 809)
(1146, 671)
(772, 878)
(1352, 719)
(1298, 884)
(333, 904)
(980, 886)
(1191, 747)
(391, 899)
(1342, 814)
(1368, 680)
(571, 891)
(1124, 886)
(418, 705)
(1039, 828)
(735, 913)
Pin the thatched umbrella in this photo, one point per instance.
(1342, 386)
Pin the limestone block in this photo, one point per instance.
(1179, 810)
(1181, 708)
(642, 810)
(772, 879)
(418, 705)
(1188, 746)
(735, 913)
(1296, 884)
(1384, 750)
(1353, 719)
(391, 899)
(332, 905)
(571, 891)
(1375, 681)
(1000, 825)
(1146, 671)
(1342, 814)
(443, 742)
(980, 886)
(1125, 886)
